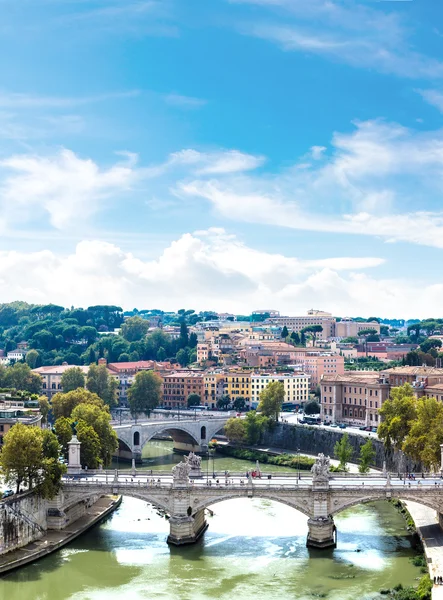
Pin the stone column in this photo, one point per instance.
(321, 528)
(74, 465)
(186, 526)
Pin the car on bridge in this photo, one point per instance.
(7, 493)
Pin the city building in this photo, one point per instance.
(10, 415)
(179, 385)
(318, 364)
(214, 386)
(52, 377)
(296, 386)
(314, 317)
(354, 397)
(237, 384)
(349, 328)
(17, 354)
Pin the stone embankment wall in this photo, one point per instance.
(312, 440)
(22, 520)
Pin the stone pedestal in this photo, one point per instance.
(187, 530)
(322, 533)
(74, 465)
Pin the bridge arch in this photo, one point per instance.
(171, 429)
(136, 438)
(293, 503)
(338, 506)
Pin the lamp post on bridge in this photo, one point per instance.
(441, 460)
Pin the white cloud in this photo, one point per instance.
(66, 187)
(197, 270)
(433, 97)
(186, 102)
(351, 32)
(17, 100)
(380, 180)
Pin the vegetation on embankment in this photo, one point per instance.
(304, 463)
(422, 592)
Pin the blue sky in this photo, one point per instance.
(223, 154)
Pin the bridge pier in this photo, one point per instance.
(321, 533)
(187, 529)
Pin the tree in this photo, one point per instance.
(235, 430)
(90, 446)
(254, 425)
(63, 431)
(271, 399)
(312, 408)
(99, 419)
(100, 381)
(295, 338)
(64, 404)
(194, 400)
(284, 332)
(367, 455)
(426, 433)
(184, 337)
(33, 359)
(20, 377)
(397, 413)
(223, 402)
(72, 379)
(240, 404)
(145, 393)
(182, 357)
(365, 333)
(45, 407)
(343, 451)
(161, 354)
(30, 455)
(134, 328)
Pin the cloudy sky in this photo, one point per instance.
(223, 154)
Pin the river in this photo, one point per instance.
(253, 550)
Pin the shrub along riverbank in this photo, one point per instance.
(304, 463)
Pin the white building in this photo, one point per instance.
(17, 354)
(296, 386)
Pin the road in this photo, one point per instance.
(294, 419)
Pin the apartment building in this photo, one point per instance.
(320, 364)
(354, 397)
(296, 386)
(213, 388)
(179, 385)
(237, 384)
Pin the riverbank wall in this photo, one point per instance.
(23, 519)
(312, 440)
(51, 541)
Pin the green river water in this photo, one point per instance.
(253, 550)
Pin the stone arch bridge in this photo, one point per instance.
(189, 434)
(319, 497)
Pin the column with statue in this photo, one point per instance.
(321, 528)
(74, 464)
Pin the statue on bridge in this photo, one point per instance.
(180, 473)
(320, 469)
(193, 461)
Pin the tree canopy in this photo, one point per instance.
(271, 399)
(72, 379)
(398, 413)
(145, 393)
(100, 381)
(30, 456)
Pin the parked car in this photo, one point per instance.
(374, 430)
(362, 428)
(333, 425)
(7, 493)
(342, 425)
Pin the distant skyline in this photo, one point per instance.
(223, 155)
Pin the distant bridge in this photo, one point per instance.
(190, 434)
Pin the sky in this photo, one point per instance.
(226, 155)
